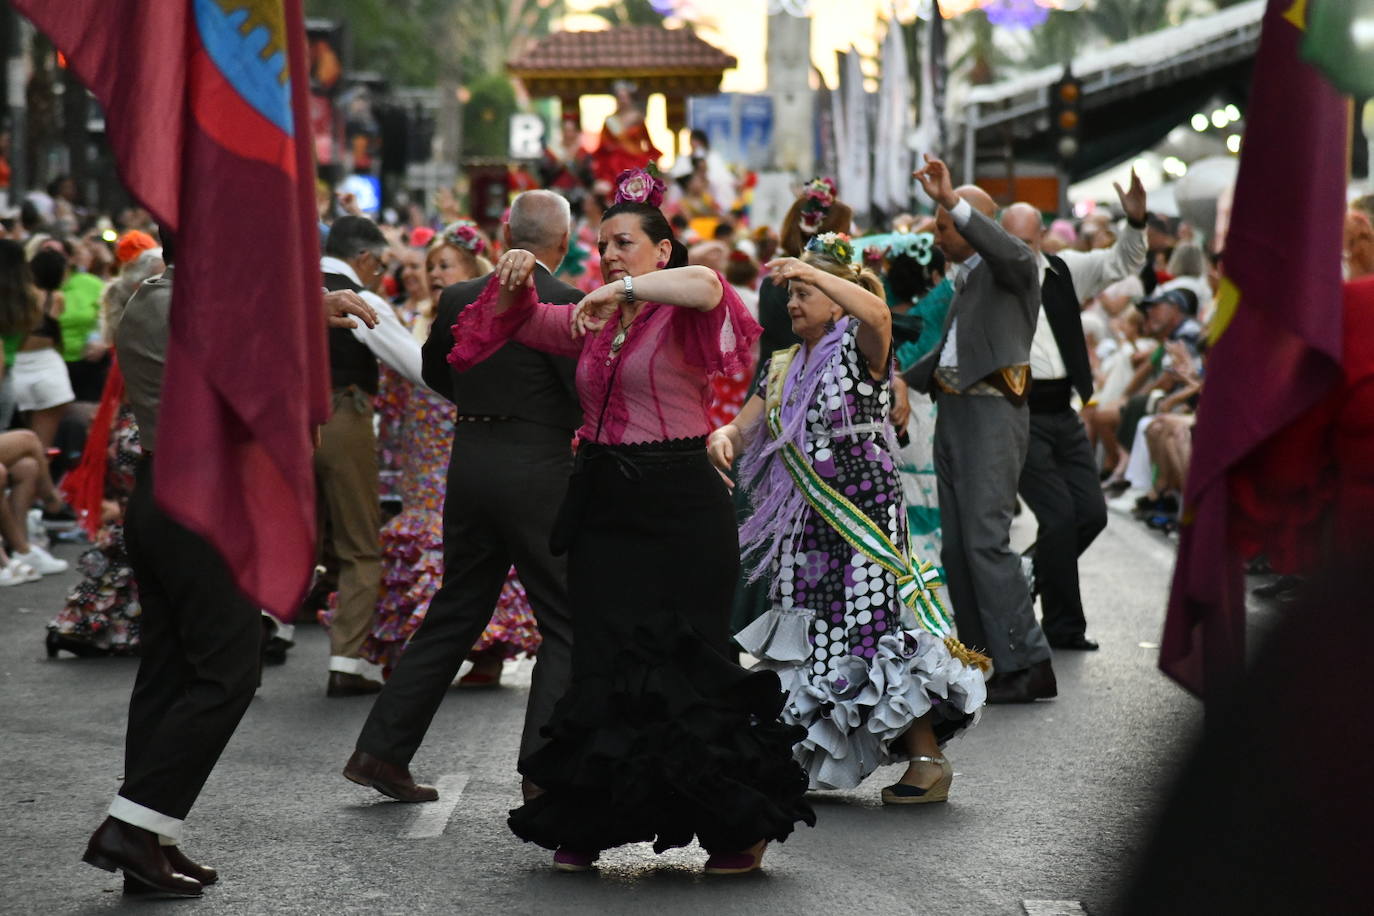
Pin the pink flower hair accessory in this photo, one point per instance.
(465, 234)
(639, 186)
(817, 198)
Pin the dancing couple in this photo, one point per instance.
(660, 736)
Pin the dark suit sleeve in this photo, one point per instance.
(1011, 261)
(556, 292)
(434, 366)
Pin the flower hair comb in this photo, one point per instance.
(465, 234)
(834, 245)
(639, 186)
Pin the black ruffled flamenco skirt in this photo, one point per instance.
(661, 737)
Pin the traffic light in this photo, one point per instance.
(1066, 100)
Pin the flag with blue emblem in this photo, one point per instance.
(205, 104)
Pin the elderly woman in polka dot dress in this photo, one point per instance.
(872, 681)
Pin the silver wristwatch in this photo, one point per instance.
(629, 283)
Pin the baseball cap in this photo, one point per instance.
(1185, 300)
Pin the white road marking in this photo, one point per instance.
(431, 818)
(1053, 908)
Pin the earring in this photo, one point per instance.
(662, 264)
(829, 325)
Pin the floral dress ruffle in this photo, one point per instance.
(103, 608)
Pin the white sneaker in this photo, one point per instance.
(16, 572)
(38, 532)
(1125, 503)
(41, 560)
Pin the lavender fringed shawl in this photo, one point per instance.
(776, 502)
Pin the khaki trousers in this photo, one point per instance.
(346, 477)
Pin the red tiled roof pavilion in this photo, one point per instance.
(674, 62)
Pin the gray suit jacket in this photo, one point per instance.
(997, 308)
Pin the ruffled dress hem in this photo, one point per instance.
(669, 742)
(853, 714)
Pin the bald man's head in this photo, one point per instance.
(947, 235)
(978, 199)
(1024, 222)
(540, 222)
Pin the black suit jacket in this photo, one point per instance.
(517, 381)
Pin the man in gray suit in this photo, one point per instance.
(980, 376)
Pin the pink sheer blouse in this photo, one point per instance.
(658, 388)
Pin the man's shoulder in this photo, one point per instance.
(462, 294)
(553, 290)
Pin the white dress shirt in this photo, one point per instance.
(389, 341)
(1091, 272)
(949, 355)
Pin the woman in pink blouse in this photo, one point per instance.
(661, 737)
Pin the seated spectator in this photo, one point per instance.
(42, 388)
(1168, 317)
(24, 480)
(1189, 269)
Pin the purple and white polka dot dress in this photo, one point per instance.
(857, 669)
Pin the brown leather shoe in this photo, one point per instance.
(116, 844)
(389, 779)
(350, 685)
(177, 859)
(1025, 686)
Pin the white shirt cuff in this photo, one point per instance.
(961, 213)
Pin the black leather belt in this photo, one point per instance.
(1050, 395)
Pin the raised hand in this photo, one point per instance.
(1133, 199)
(784, 270)
(936, 182)
(595, 309)
(516, 269)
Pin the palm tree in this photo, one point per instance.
(494, 32)
(629, 12)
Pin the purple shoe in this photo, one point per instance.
(736, 863)
(571, 860)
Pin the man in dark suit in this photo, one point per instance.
(201, 635)
(517, 412)
(1059, 481)
(980, 377)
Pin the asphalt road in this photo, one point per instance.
(1051, 802)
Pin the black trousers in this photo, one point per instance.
(1059, 483)
(506, 480)
(201, 656)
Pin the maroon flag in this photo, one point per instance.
(206, 107)
(1276, 337)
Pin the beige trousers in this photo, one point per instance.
(346, 476)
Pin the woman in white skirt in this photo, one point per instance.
(41, 385)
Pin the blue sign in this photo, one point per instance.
(740, 127)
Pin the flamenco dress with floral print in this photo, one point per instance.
(102, 613)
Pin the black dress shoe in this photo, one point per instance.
(136, 852)
(1025, 686)
(1079, 642)
(350, 685)
(177, 859)
(390, 779)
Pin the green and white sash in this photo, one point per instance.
(918, 582)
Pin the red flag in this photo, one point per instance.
(1277, 336)
(205, 102)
